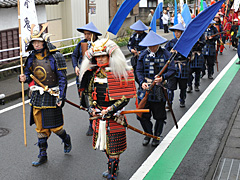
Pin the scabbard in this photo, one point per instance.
(170, 106)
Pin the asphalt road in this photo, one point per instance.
(83, 162)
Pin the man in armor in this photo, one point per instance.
(150, 63)
(209, 49)
(233, 32)
(196, 64)
(182, 67)
(108, 84)
(133, 43)
(89, 31)
(49, 67)
(221, 40)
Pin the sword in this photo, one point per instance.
(41, 84)
(170, 106)
(122, 123)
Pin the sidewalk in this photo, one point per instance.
(12, 88)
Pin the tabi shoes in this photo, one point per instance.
(146, 141)
(196, 88)
(41, 160)
(67, 144)
(189, 89)
(182, 104)
(210, 76)
(155, 142)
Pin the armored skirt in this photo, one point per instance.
(115, 136)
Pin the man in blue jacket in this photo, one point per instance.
(149, 64)
(90, 31)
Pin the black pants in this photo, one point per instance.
(157, 110)
(210, 60)
(165, 27)
(197, 76)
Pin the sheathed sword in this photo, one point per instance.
(122, 123)
(170, 106)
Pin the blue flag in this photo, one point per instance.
(156, 16)
(121, 15)
(175, 13)
(204, 5)
(196, 28)
(186, 15)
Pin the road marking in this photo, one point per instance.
(160, 164)
(27, 101)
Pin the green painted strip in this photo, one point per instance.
(167, 164)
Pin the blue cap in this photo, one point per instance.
(90, 27)
(139, 26)
(152, 39)
(212, 22)
(178, 26)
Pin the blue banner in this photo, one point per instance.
(196, 28)
(156, 16)
(186, 15)
(121, 15)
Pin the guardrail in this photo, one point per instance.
(18, 57)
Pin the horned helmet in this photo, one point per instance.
(39, 35)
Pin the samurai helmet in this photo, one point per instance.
(37, 35)
(101, 47)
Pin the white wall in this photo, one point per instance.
(9, 17)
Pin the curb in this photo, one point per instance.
(213, 168)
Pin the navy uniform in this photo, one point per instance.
(77, 57)
(150, 64)
(182, 70)
(107, 92)
(49, 67)
(196, 64)
(209, 50)
(133, 43)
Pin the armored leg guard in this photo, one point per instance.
(42, 157)
(112, 168)
(66, 140)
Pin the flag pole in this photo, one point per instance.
(21, 62)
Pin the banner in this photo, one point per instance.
(156, 16)
(121, 15)
(196, 28)
(28, 16)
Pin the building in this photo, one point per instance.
(9, 34)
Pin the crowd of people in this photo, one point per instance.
(105, 83)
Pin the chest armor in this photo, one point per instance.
(182, 67)
(209, 47)
(43, 72)
(100, 88)
(153, 65)
(197, 61)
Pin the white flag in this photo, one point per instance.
(28, 17)
(236, 5)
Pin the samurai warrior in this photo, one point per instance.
(108, 84)
(133, 44)
(89, 31)
(49, 67)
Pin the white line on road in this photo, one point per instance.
(157, 153)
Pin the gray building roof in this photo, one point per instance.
(13, 3)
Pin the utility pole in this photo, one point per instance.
(87, 10)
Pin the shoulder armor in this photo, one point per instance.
(60, 61)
